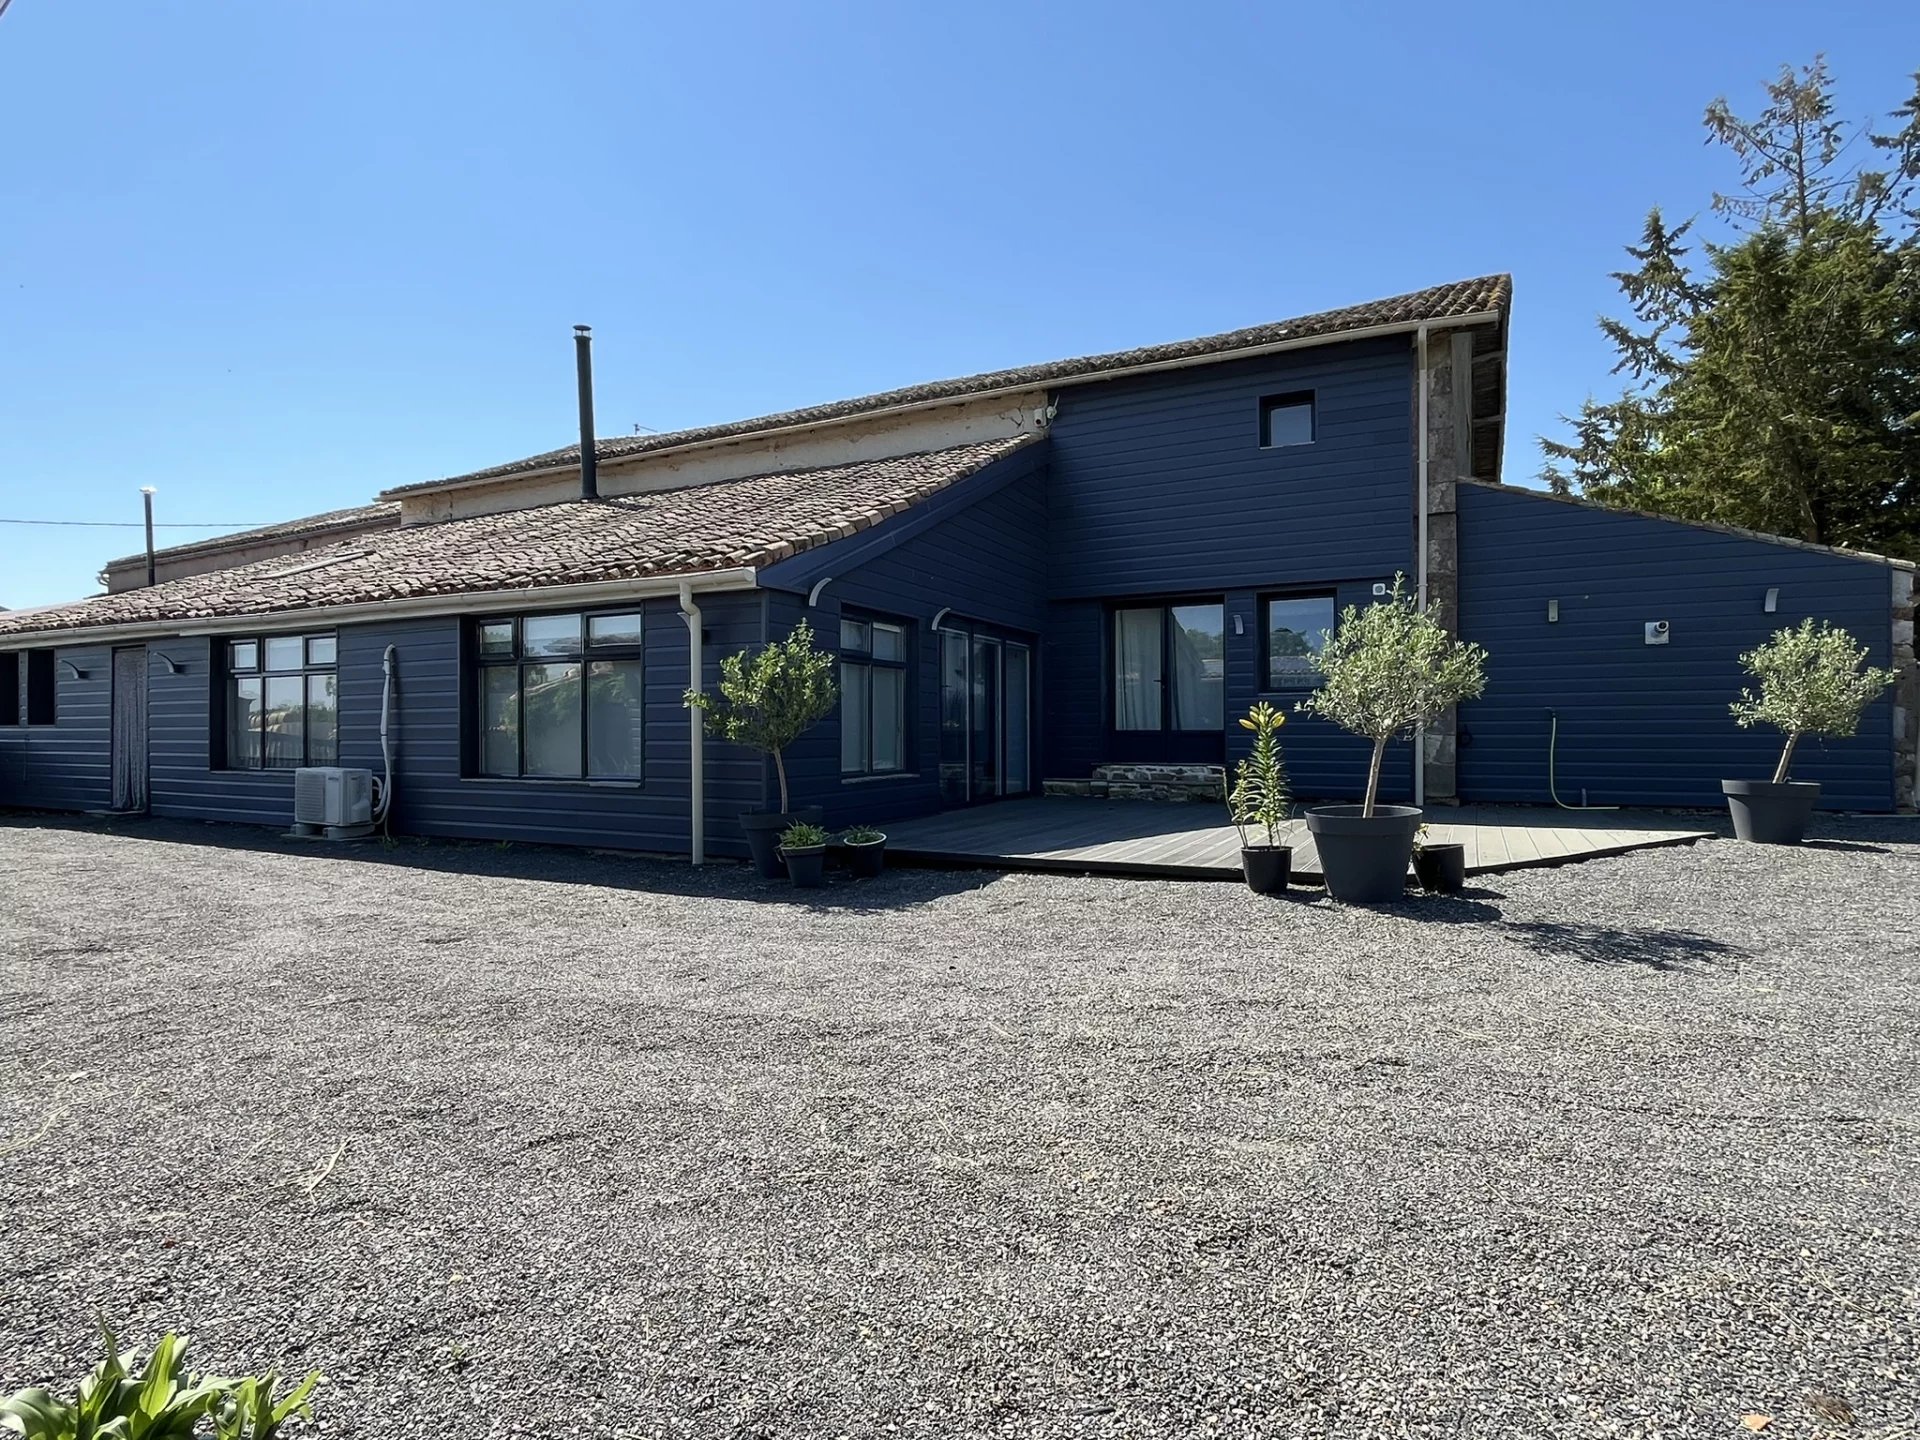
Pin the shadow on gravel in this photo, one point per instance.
(1856, 846)
(894, 889)
(1666, 950)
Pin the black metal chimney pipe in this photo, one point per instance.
(589, 462)
(146, 496)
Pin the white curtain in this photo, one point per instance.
(1136, 669)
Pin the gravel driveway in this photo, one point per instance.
(523, 1142)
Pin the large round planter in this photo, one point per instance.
(1770, 814)
(1266, 867)
(1441, 869)
(1364, 857)
(763, 829)
(866, 861)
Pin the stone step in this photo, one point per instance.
(1145, 782)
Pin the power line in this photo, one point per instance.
(158, 524)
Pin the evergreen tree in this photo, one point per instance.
(1774, 381)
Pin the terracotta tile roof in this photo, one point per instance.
(357, 517)
(753, 521)
(1487, 295)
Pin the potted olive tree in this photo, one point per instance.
(1260, 802)
(1387, 669)
(769, 700)
(1814, 680)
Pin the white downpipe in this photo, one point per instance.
(1420, 559)
(386, 749)
(696, 724)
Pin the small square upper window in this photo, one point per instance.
(1286, 420)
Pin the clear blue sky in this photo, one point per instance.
(274, 255)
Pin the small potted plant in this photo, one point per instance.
(866, 851)
(1814, 680)
(769, 700)
(1260, 802)
(1386, 670)
(1441, 869)
(804, 849)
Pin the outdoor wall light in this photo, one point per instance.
(1553, 612)
(1239, 625)
(1772, 602)
(74, 670)
(174, 667)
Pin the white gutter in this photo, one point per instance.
(465, 603)
(1025, 387)
(696, 724)
(1420, 560)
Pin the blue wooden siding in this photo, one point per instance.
(1323, 761)
(67, 767)
(1159, 487)
(63, 766)
(984, 558)
(1159, 483)
(1645, 724)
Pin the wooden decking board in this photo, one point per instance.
(1140, 837)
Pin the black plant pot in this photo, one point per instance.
(808, 867)
(1266, 867)
(1364, 857)
(1770, 814)
(866, 861)
(1441, 869)
(764, 828)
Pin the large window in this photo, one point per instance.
(10, 688)
(562, 696)
(43, 689)
(1169, 667)
(873, 696)
(1295, 628)
(283, 702)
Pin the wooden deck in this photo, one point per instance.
(1193, 841)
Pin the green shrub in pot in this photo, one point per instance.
(804, 847)
(1261, 801)
(1387, 669)
(866, 850)
(1814, 680)
(768, 699)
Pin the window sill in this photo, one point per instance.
(551, 780)
(891, 775)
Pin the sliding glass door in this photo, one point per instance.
(1168, 700)
(986, 720)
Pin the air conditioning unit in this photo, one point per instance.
(329, 797)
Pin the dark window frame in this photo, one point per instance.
(230, 673)
(1262, 611)
(42, 703)
(1270, 405)
(10, 706)
(909, 634)
(1169, 705)
(517, 659)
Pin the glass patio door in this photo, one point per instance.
(986, 716)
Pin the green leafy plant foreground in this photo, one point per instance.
(862, 835)
(1261, 796)
(771, 698)
(1814, 680)
(802, 836)
(1388, 668)
(157, 1400)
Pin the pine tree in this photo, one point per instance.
(1774, 382)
